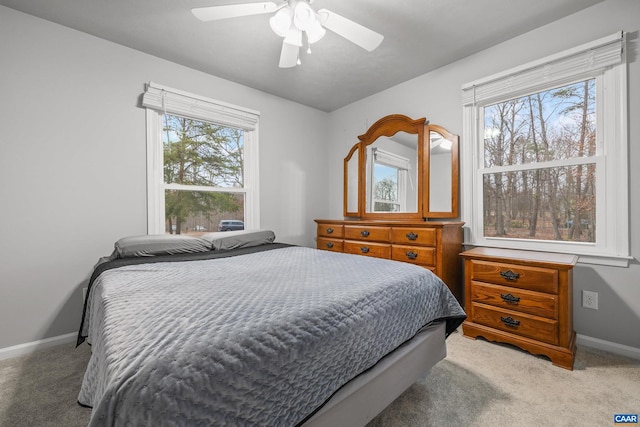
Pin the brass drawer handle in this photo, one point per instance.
(510, 321)
(329, 245)
(364, 250)
(329, 230)
(412, 236)
(364, 233)
(510, 299)
(412, 255)
(510, 275)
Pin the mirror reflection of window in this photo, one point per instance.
(389, 181)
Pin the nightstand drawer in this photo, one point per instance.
(536, 303)
(334, 245)
(414, 254)
(534, 327)
(331, 230)
(517, 276)
(378, 250)
(413, 236)
(378, 234)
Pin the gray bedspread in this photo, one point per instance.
(257, 339)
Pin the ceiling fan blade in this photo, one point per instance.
(288, 55)
(214, 13)
(352, 31)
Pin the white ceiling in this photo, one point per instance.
(420, 36)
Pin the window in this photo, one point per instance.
(546, 155)
(201, 163)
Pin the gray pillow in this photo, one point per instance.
(239, 239)
(158, 244)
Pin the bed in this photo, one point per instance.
(256, 333)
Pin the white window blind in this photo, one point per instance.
(390, 159)
(579, 62)
(163, 98)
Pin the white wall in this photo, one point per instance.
(72, 164)
(72, 158)
(437, 95)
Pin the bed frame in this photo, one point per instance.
(364, 397)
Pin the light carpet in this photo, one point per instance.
(478, 384)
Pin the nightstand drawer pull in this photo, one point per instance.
(412, 255)
(412, 236)
(364, 249)
(510, 321)
(509, 275)
(329, 245)
(329, 230)
(510, 299)
(364, 233)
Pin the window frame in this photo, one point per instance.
(603, 59)
(159, 100)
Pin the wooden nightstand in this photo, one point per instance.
(523, 298)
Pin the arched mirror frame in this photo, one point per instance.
(389, 126)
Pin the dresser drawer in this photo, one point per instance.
(517, 276)
(378, 250)
(537, 328)
(334, 245)
(414, 254)
(377, 234)
(413, 236)
(331, 230)
(536, 303)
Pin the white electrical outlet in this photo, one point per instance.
(590, 299)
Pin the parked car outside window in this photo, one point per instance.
(230, 224)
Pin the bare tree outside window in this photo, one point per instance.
(207, 155)
(386, 195)
(539, 175)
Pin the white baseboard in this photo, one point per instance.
(30, 347)
(611, 347)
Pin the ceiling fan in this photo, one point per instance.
(295, 20)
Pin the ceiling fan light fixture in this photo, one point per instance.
(315, 32)
(293, 37)
(303, 16)
(291, 19)
(281, 22)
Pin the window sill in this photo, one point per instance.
(588, 259)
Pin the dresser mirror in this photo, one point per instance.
(351, 182)
(387, 175)
(443, 173)
(391, 174)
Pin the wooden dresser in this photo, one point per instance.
(433, 245)
(523, 298)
